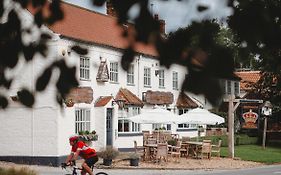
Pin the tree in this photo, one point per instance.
(255, 24)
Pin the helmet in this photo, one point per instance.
(73, 138)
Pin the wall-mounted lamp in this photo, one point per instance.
(15, 98)
(119, 102)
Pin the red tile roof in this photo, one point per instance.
(128, 97)
(158, 97)
(248, 78)
(81, 95)
(86, 25)
(184, 101)
(102, 101)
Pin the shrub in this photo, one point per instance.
(13, 171)
(108, 152)
(241, 139)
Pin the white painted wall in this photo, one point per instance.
(44, 130)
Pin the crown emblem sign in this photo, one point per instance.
(250, 117)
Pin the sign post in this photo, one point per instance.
(231, 110)
(266, 112)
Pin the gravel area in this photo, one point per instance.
(192, 164)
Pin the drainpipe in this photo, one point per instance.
(138, 83)
(32, 113)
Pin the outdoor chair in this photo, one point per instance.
(206, 149)
(146, 136)
(162, 151)
(217, 148)
(151, 141)
(184, 149)
(175, 153)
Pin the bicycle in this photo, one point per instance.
(74, 169)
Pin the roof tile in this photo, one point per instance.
(86, 25)
(248, 78)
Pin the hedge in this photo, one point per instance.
(241, 139)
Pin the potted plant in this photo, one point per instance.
(172, 142)
(108, 154)
(134, 159)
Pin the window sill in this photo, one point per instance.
(146, 86)
(186, 129)
(113, 82)
(126, 134)
(131, 84)
(83, 79)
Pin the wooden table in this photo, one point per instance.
(194, 147)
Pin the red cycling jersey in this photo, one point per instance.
(85, 151)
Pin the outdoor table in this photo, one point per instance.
(152, 149)
(194, 146)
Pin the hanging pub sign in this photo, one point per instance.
(250, 119)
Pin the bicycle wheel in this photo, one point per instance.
(101, 173)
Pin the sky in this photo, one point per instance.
(175, 13)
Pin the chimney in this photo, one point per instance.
(109, 9)
(162, 24)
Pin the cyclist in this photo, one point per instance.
(79, 148)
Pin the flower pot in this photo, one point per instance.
(107, 162)
(134, 162)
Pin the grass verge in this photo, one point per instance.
(256, 153)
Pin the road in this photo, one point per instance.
(264, 170)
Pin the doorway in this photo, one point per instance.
(109, 129)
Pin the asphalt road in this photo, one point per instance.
(264, 170)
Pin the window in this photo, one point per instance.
(223, 87)
(236, 87)
(161, 79)
(182, 111)
(182, 126)
(84, 68)
(147, 77)
(82, 120)
(175, 81)
(130, 75)
(113, 72)
(166, 127)
(228, 86)
(125, 125)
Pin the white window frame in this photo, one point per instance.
(113, 72)
(147, 77)
(122, 119)
(84, 68)
(82, 119)
(131, 75)
(175, 81)
(161, 78)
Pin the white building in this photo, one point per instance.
(40, 135)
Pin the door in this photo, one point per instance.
(109, 129)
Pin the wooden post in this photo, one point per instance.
(231, 127)
(264, 132)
